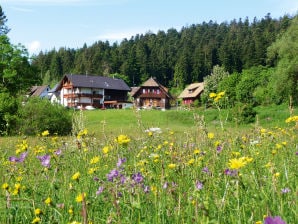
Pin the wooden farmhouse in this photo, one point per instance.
(88, 90)
(191, 93)
(151, 94)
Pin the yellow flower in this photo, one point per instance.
(45, 133)
(91, 170)
(292, 119)
(172, 166)
(150, 133)
(70, 211)
(36, 220)
(237, 163)
(276, 174)
(48, 201)
(210, 135)
(106, 150)
(76, 176)
(37, 211)
(196, 151)
(212, 95)
(5, 186)
(191, 162)
(122, 140)
(258, 222)
(94, 160)
(17, 186)
(80, 197)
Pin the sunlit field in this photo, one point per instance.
(180, 166)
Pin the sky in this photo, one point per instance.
(42, 25)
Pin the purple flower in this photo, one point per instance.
(165, 185)
(18, 160)
(231, 173)
(58, 152)
(138, 178)
(122, 179)
(120, 161)
(285, 190)
(205, 170)
(99, 191)
(112, 175)
(199, 185)
(274, 220)
(146, 189)
(219, 149)
(95, 178)
(45, 160)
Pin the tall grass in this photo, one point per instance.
(185, 170)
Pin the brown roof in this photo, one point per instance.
(37, 90)
(193, 90)
(151, 82)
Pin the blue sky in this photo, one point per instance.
(47, 24)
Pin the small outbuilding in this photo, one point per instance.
(191, 93)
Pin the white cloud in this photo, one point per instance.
(34, 47)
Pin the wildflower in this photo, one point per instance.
(146, 189)
(94, 160)
(106, 150)
(212, 95)
(122, 140)
(138, 178)
(172, 166)
(219, 148)
(199, 185)
(205, 170)
(99, 191)
(18, 160)
(292, 119)
(274, 220)
(229, 172)
(45, 160)
(285, 190)
(70, 211)
(48, 201)
(165, 185)
(237, 163)
(276, 174)
(259, 222)
(58, 152)
(76, 176)
(191, 162)
(210, 135)
(38, 211)
(5, 186)
(121, 161)
(91, 170)
(112, 175)
(45, 133)
(150, 133)
(80, 197)
(36, 220)
(197, 151)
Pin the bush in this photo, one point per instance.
(38, 115)
(244, 113)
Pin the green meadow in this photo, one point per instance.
(152, 166)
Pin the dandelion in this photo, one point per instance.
(38, 211)
(106, 150)
(36, 220)
(237, 163)
(76, 176)
(172, 166)
(210, 135)
(45, 133)
(122, 140)
(80, 197)
(48, 201)
(94, 160)
(5, 186)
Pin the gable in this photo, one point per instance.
(192, 91)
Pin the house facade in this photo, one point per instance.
(39, 91)
(151, 94)
(191, 93)
(89, 90)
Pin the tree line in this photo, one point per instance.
(175, 58)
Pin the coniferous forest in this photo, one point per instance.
(253, 62)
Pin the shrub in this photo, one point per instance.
(38, 115)
(244, 113)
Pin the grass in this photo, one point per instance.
(115, 171)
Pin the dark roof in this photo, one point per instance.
(92, 81)
(37, 90)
